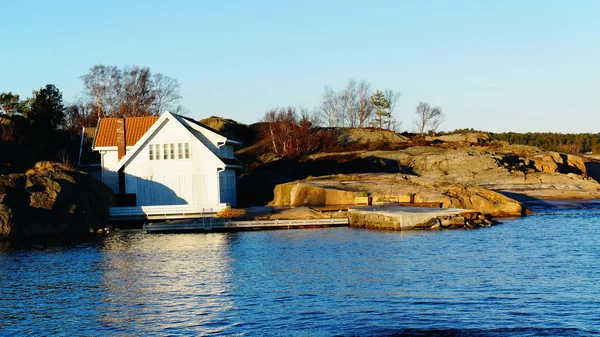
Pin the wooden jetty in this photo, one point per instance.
(171, 212)
(224, 225)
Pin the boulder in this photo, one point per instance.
(304, 194)
(52, 199)
(321, 192)
(483, 200)
(545, 164)
(577, 163)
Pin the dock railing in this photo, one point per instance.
(167, 212)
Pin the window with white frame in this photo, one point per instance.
(151, 151)
(169, 151)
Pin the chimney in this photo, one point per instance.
(121, 140)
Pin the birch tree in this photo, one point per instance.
(428, 117)
(131, 91)
(350, 104)
(365, 108)
(331, 108)
(102, 85)
(166, 93)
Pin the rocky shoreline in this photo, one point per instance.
(495, 178)
(52, 199)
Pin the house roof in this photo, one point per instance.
(230, 140)
(143, 129)
(135, 128)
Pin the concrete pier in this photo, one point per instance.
(400, 218)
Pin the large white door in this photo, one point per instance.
(171, 190)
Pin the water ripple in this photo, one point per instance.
(535, 276)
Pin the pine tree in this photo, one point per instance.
(382, 108)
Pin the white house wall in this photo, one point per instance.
(173, 181)
(109, 174)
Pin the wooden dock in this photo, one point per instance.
(223, 225)
(170, 212)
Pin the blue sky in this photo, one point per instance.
(492, 65)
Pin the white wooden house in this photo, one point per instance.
(166, 164)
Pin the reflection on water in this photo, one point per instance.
(528, 277)
(169, 281)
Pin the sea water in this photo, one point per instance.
(533, 276)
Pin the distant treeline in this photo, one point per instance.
(576, 143)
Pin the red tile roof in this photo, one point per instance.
(135, 128)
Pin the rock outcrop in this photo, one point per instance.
(344, 190)
(483, 200)
(52, 199)
(306, 194)
(467, 171)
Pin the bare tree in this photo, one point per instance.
(435, 123)
(137, 94)
(365, 108)
(288, 134)
(102, 85)
(131, 91)
(331, 108)
(428, 116)
(80, 114)
(393, 98)
(166, 93)
(350, 104)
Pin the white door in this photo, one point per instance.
(165, 190)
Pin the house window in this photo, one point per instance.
(169, 151)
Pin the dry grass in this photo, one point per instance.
(46, 166)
